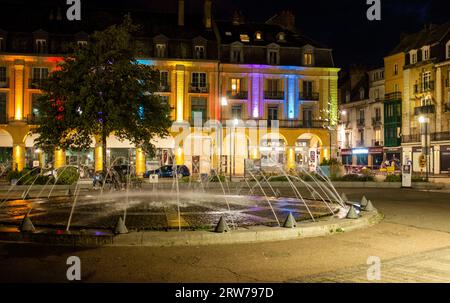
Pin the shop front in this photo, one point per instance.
(375, 157)
(445, 159)
(418, 167)
(393, 155)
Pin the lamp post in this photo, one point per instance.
(424, 122)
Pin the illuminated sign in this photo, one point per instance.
(360, 151)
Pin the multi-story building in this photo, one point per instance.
(360, 132)
(225, 71)
(426, 96)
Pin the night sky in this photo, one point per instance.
(338, 24)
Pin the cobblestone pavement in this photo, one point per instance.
(427, 267)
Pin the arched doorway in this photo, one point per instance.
(197, 149)
(273, 151)
(308, 148)
(164, 153)
(6, 147)
(235, 150)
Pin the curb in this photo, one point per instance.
(250, 235)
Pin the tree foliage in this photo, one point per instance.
(101, 89)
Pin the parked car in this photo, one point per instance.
(166, 171)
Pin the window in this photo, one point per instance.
(198, 108)
(235, 86)
(378, 114)
(347, 97)
(237, 54)
(258, 36)
(3, 77)
(396, 88)
(272, 114)
(244, 38)
(307, 58)
(236, 111)
(81, 43)
(3, 117)
(2, 44)
(307, 117)
(361, 115)
(164, 80)
(307, 89)
(361, 93)
(228, 34)
(198, 80)
(199, 52)
(412, 57)
(40, 46)
(426, 80)
(160, 50)
(273, 57)
(281, 36)
(425, 53)
(38, 74)
(34, 109)
(395, 69)
(273, 85)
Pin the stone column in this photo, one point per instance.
(98, 157)
(60, 158)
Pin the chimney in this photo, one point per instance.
(207, 14)
(286, 20)
(180, 12)
(238, 17)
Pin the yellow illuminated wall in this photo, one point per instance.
(140, 162)
(180, 92)
(19, 157)
(98, 156)
(60, 158)
(18, 89)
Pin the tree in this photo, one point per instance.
(101, 89)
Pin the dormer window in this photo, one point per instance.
(160, 50)
(228, 34)
(413, 57)
(258, 36)
(237, 53)
(199, 52)
(447, 50)
(426, 53)
(281, 36)
(361, 93)
(244, 38)
(2, 44)
(40, 46)
(273, 56)
(82, 43)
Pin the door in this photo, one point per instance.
(272, 114)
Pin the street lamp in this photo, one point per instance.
(424, 121)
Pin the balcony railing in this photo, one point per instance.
(361, 122)
(377, 143)
(423, 87)
(376, 121)
(4, 83)
(240, 95)
(360, 143)
(35, 83)
(274, 95)
(164, 88)
(393, 96)
(426, 109)
(310, 96)
(414, 138)
(319, 124)
(32, 119)
(197, 88)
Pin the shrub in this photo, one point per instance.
(418, 179)
(217, 178)
(67, 175)
(393, 178)
(355, 178)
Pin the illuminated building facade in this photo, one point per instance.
(361, 127)
(274, 91)
(426, 95)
